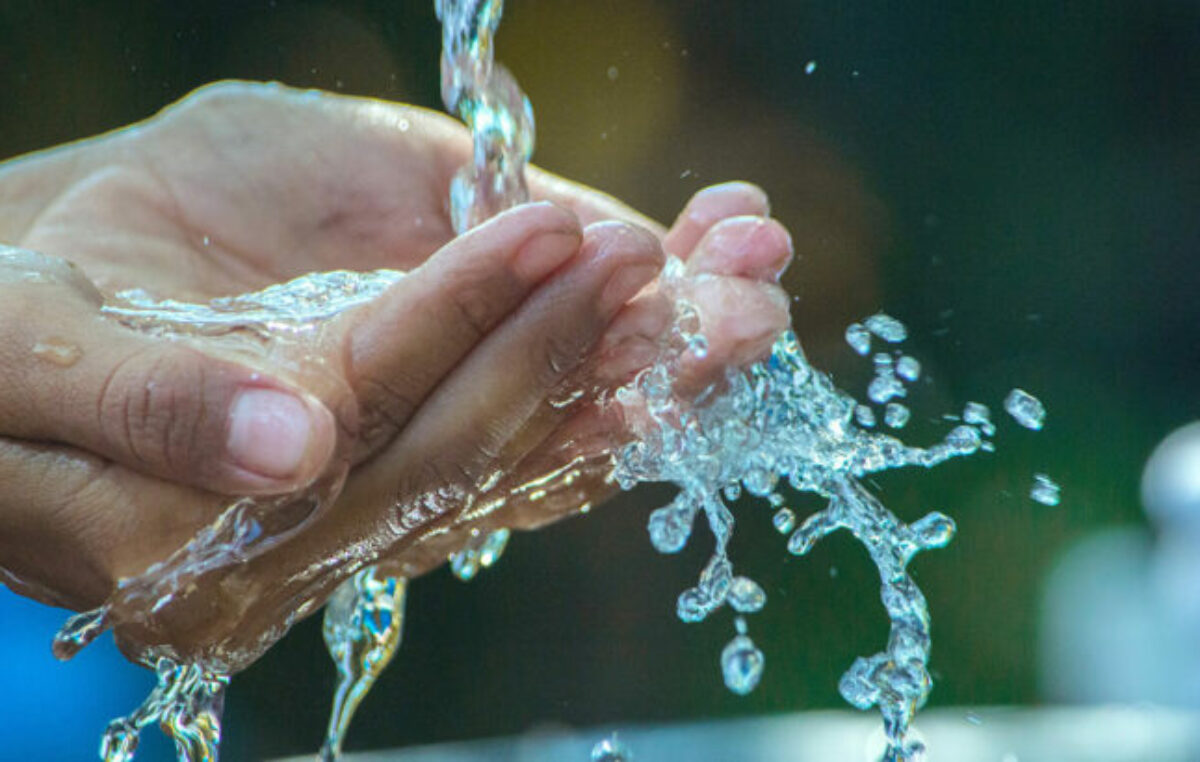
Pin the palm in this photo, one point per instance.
(211, 199)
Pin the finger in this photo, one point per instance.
(160, 406)
(588, 204)
(710, 206)
(747, 247)
(456, 439)
(405, 342)
(67, 518)
(494, 395)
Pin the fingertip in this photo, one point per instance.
(708, 207)
(746, 246)
(631, 255)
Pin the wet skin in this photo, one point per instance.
(444, 393)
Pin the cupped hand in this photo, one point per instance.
(440, 400)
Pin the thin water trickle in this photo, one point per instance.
(363, 625)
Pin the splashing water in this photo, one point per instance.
(783, 422)
(186, 703)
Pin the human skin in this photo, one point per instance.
(444, 388)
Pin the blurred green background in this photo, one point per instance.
(1018, 181)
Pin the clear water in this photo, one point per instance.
(778, 425)
(363, 624)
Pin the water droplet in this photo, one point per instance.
(746, 596)
(886, 327)
(611, 749)
(493, 547)
(963, 440)
(784, 521)
(58, 351)
(865, 416)
(671, 525)
(1044, 490)
(613, 73)
(895, 415)
(908, 368)
(742, 665)
(1025, 409)
(810, 67)
(859, 338)
(885, 388)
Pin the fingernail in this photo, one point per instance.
(270, 432)
(544, 253)
(751, 246)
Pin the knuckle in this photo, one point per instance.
(154, 407)
(472, 303)
(557, 354)
(386, 408)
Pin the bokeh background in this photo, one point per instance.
(1018, 181)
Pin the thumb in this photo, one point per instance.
(162, 407)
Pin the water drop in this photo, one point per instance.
(810, 67)
(671, 525)
(895, 415)
(742, 665)
(784, 520)
(1025, 409)
(864, 415)
(746, 596)
(908, 368)
(611, 749)
(57, 350)
(886, 327)
(885, 388)
(859, 338)
(1044, 490)
(613, 73)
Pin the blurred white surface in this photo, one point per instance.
(995, 734)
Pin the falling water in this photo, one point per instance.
(486, 96)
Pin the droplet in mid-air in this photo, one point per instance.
(611, 749)
(1025, 409)
(1044, 490)
(742, 665)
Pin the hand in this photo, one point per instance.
(428, 391)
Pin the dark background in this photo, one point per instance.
(1018, 181)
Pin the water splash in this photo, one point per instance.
(186, 704)
(783, 422)
(363, 625)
